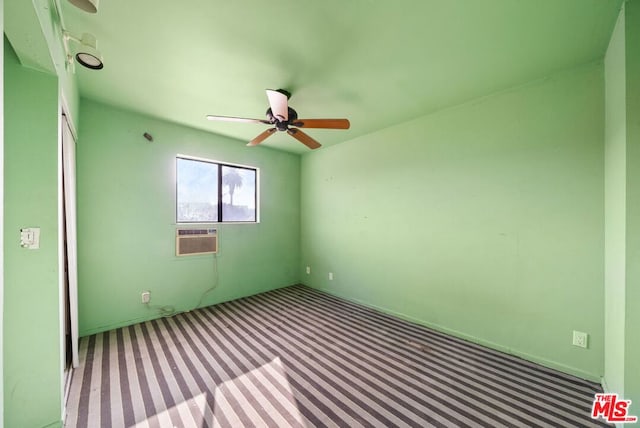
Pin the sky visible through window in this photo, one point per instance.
(198, 193)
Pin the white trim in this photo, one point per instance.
(215, 161)
(212, 223)
(66, 224)
(60, 262)
(69, 149)
(65, 112)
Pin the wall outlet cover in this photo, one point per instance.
(146, 296)
(580, 339)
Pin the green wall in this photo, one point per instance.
(32, 366)
(622, 208)
(126, 221)
(483, 220)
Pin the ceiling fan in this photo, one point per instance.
(284, 118)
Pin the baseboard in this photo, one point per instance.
(108, 327)
(496, 346)
(156, 315)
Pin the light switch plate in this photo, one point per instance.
(30, 238)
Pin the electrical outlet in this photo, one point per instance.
(146, 296)
(308, 270)
(580, 339)
(330, 276)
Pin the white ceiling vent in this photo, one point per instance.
(190, 242)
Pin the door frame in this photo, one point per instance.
(67, 224)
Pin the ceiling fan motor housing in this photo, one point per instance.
(282, 125)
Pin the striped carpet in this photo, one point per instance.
(297, 357)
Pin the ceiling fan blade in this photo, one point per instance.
(303, 138)
(322, 123)
(236, 119)
(263, 136)
(279, 104)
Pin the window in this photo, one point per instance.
(208, 192)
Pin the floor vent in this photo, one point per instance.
(190, 242)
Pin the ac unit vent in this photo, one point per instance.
(190, 242)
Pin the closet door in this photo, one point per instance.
(69, 194)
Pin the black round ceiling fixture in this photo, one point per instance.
(90, 61)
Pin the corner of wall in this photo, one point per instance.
(615, 207)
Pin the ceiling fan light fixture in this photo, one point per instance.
(90, 6)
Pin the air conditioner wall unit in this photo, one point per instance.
(190, 241)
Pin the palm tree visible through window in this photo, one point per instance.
(232, 180)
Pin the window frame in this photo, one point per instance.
(219, 164)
